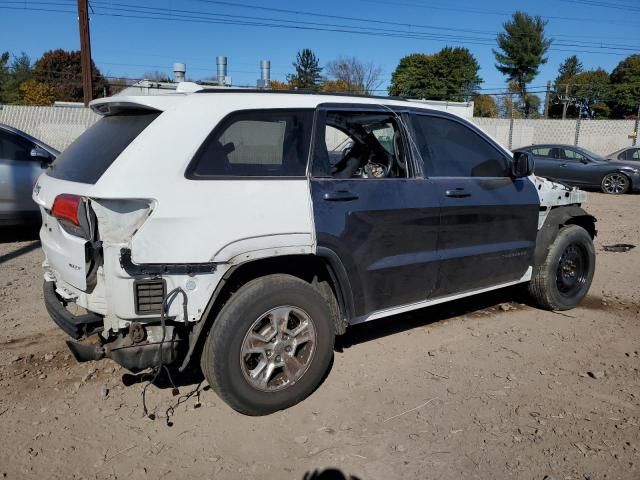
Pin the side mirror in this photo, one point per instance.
(39, 153)
(522, 164)
(584, 161)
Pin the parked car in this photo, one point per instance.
(245, 230)
(629, 154)
(582, 168)
(22, 160)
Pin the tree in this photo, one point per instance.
(523, 46)
(354, 74)
(484, 106)
(20, 71)
(571, 67)
(278, 85)
(451, 74)
(625, 87)
(33, 92)
(157, 76)
(308, 71)
(591, 90)
(62, 72)
(336, 86)
(568, 69)
(4, 74)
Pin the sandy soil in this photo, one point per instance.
(486, 388)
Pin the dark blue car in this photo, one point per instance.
(582, 168)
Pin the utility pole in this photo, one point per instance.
(565, 102)
(547, 99)
(85, 50)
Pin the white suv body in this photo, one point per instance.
(145, 212)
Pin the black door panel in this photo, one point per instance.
(488, 237)
(386, 237)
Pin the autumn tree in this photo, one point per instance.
(338, 86)
(522, 49)
(308, 71)
(62, 72)
(485, 106)
(350, 74)
(278, 85)
(33, 92)
(451, 74)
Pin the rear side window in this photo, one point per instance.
(93, 152)
(14, 147)
(256, 143)
(451, 149)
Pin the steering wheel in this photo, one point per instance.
(374, 169)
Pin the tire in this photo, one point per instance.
(249, 334)
(615, 183)
(564, 278)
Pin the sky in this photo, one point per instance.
(124, 44)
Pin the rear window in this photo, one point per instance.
(256, 143)
(93, 152)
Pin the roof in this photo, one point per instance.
(244, 99)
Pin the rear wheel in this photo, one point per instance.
(564, 278)
(615, 183)
(270, 346)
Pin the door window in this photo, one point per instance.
(256, 144)
(542, 152)
(451, 149)
(360, 145)
(569, 154)
(14, 147)
(634, 154)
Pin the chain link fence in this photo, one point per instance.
(55, 126)
(59, 126)
(599, 136)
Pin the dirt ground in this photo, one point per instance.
(485, 388)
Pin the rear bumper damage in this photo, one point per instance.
(137, 348)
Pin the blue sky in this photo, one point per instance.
(126, 46)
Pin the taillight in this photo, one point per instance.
(65, 207)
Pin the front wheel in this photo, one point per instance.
(564, 278)
(615, 183)
(270, 346)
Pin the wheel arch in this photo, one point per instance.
(324, 270)
(558, 218)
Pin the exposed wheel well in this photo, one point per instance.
(585, 221)
(310, 268)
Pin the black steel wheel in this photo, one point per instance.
(563, 279)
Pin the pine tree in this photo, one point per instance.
(308, 71)
(522, 49)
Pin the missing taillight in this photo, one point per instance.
(65, 207)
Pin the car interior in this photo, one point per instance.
(363, 145)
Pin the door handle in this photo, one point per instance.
(340, 196)
(457, 193)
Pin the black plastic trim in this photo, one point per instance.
(76, 326)
(150, 269)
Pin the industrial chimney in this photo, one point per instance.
(179, 72)
(265, 74)
(222, 78)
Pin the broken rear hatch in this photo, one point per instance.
(69, 232)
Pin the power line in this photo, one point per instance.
(158, 13)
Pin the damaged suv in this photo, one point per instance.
(245, 230)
